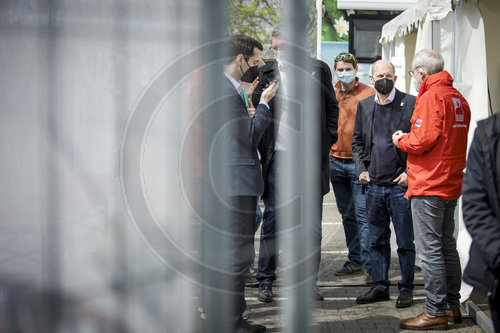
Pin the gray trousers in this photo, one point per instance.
(433, 225)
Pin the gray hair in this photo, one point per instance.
(430, 60)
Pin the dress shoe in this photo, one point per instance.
(317, 294)
(372, 296)
(405, 298)
(454, 315)
(247, 327)
(349, 268)
(265, 293)
(425, 322)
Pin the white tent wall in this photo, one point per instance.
(490, 11)
(398, 41)
(401, 50)
(395, 52)
(459, 35)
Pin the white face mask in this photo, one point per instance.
(416, 84)
(346, 77)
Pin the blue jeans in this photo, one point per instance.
(268, 251)
(434, 223)
(352, 206)
(258, 217)
(384, 203)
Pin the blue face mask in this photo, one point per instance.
(346, 77)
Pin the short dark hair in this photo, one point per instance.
(352, 60)
(241, 44)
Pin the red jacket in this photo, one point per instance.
(437, 142)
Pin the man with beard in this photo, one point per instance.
(232, 183)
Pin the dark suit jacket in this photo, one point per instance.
(481, 206)
(329, 114)
(233, 159)
(402, 110)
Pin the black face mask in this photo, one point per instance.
(251, 74)
(384, 86)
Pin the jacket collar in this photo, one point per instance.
(442, 78)
(235, 83)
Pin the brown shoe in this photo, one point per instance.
(425, 322)
(454, 315)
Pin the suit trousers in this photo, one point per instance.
(494, 301)
(230, 247)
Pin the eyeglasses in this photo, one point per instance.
(411, 72)
(345, 56)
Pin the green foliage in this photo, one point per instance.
(257, 18)
(254, 18)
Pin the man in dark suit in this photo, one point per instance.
(276, 142)
(481, 211)
(234, 182)
(381, 167)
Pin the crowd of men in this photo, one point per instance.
(390, 157)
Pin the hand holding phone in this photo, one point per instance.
(269, 93)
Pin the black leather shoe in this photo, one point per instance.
(265, 293)
(372, 296)
(405, 298)
(246, 327)
(317, 294)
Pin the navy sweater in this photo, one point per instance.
(384, 164)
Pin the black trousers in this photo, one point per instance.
(228, 252)
(494, 301)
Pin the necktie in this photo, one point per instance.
(244, 96)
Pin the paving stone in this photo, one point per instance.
(339, 312)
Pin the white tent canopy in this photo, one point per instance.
(375, 5)
(404, 23)
(409, 20)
